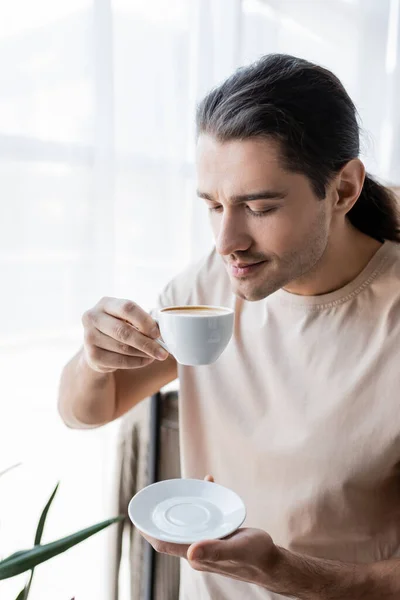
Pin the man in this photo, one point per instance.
(300, 414)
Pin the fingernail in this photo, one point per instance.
(155, 332)
(161, 354)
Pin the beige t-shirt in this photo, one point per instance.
(300, 416)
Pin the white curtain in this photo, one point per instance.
(97, 101)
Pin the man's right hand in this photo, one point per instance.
(118, 334)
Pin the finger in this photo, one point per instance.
(127, 334)
(235, 547)
(209, 478)
(114, 360)
(133, 314)
(95, 337)
(208, 552)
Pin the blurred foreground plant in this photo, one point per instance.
(27, 560)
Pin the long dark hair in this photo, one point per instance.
(306, 108)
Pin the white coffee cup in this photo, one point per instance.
(195, 335)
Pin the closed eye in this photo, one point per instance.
(255, 213)
(261, 213)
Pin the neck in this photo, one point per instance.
(345, 256)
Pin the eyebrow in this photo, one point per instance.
(263, 195)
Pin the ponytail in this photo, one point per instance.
(376, 212)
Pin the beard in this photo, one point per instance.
(277, 271)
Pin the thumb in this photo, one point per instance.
(211, 551)
(237, 546)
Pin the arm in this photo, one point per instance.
(119, 365)
(310, 578)
(88, 398)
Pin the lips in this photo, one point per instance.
(244, 265)
(243, 269)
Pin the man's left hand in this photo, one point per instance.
(246, 554)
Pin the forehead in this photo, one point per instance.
(241, 164)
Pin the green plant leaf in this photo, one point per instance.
(29, 559)
(12, 556)
(21, 595)
(38, 537)
(43, 516)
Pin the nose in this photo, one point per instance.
(231, 235)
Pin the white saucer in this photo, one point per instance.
(184, 511)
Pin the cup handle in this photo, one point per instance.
(159, 340)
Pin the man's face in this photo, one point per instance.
(269, 226)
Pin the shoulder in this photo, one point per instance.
(383, 298)
(203, 282)
(391, 265)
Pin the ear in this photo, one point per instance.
(348, 185)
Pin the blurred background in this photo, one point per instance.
(97, 102)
